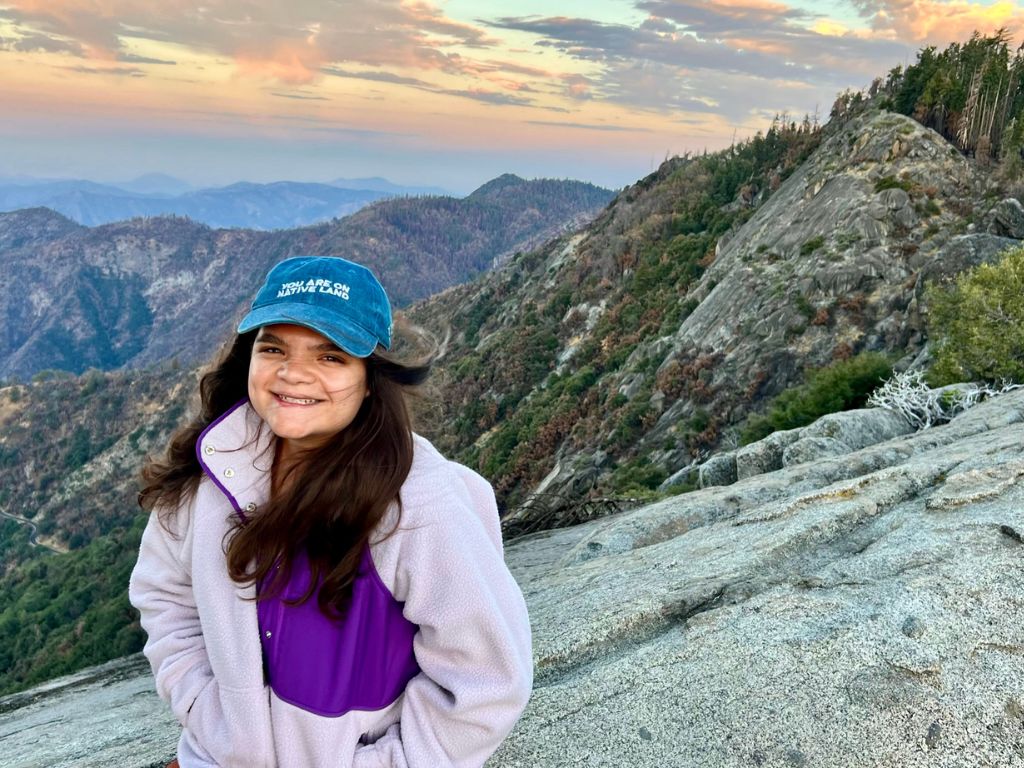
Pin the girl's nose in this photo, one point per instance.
(293, 371)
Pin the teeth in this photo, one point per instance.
(296, 400)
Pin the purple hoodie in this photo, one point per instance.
(431, 667)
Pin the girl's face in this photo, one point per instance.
(303, 386)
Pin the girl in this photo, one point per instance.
(319, 586)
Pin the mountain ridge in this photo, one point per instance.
(629, 380)
(134, 291)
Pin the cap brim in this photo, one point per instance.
(357, 341)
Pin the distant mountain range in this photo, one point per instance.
(280, 205)
(141, 291)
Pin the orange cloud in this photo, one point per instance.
(296, 62)
(940, 21)
(768, 47)
(742, 8)
(284, 41)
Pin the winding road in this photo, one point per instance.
(33, 536)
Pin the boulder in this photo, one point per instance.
(718, 470)
(1008, 219)
(860, 427)
(813, 448)
(765, 455)
(961, 253)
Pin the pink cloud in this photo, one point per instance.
(289, 42)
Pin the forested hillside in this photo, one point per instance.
(139, 292)
(971, 93)
(607, 363)
(540, 342)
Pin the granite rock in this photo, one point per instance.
(861, 611)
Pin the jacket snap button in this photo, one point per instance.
(229, 472)
(268, 633)
(209, 450)
(250, 507)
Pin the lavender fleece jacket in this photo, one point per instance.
(444, 564)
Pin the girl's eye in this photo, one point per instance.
(332, 359)
(268, 349)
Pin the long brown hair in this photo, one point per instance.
(338, 494)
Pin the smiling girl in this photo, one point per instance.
(319, 586)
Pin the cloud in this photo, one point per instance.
(590, 126)
(477, 94)
(754, 39)
(487, 97)
(35, 42)
(135, 59)
(116, 71)
(289, 42)
(692, 56)
(376, 76)
(300, 96)
(724, 19)
(939, 21)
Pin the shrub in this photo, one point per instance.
(812, 245)
(891, 182)
(837, 387)
(976, 323)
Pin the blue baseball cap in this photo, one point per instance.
(342, 300)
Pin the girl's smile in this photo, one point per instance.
(303, 385)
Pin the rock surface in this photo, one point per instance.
(863, 610)
(104, 717)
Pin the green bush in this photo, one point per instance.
(891, 182)
(976, 323)
(837, 387)
(812, 245)
(637, 478)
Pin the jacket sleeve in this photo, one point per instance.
(161, 589)
(473, 645)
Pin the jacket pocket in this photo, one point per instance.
(232, 725)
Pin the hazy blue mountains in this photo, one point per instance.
(280, 205)
(138, 292)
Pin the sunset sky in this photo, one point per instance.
(443, 93)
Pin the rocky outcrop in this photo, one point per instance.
(835, 262)
(859, 610)
(856, 611)
(606, 346)
(1008, 218)
(835, 434)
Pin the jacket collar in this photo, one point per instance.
(236, 452)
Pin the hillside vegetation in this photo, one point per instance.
(540, 340)
(971, 93)
(606, 362)
(137, 293)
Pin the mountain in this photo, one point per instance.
(256, 206)
(378, 184)
(610, 359)
(155, 184)
(142, 291)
